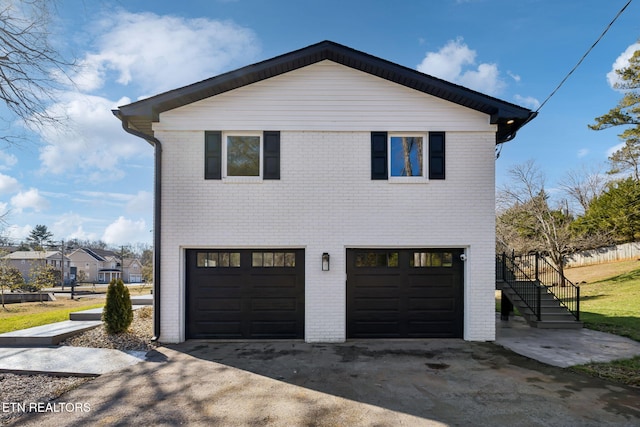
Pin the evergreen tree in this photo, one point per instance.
(626, 113)
(117, 313)
(616, 212)
(39, 237)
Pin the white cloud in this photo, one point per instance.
(93, 143)
(149, 52)
(70, 226)
(158, 53)
(452, 63)
(515, 77)
(527, 101)
(30, 199)
(17, 233)
(140, 203)
(621, 62)
(8, 184)
(125, 231)
(7, 161)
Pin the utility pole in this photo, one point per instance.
(122, 262)
(62, 265)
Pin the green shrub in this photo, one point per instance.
(117, 313)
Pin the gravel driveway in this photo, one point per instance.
(412, 383)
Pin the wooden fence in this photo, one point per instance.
(605, 254)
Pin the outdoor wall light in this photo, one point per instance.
(325, 261)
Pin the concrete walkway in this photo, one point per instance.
(66, 361)
(563, 347)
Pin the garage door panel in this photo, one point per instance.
(222, 329)
(404, 293)
(431, 304)
(279, 281)
(375, 329)
(368, 304)
(274, 330)
(245, 294)
(218, 304)
(274, 304)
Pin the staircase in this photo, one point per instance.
(544, 297)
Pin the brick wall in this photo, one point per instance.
(325, 201)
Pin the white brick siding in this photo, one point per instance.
(326, 201)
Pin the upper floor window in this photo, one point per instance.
(406, 157)
(242, 155)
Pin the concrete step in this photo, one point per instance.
(557, 324)
(94, 313)
(51, 334)
(142, 299)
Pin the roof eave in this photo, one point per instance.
(137, 118)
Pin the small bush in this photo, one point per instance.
(117, 313)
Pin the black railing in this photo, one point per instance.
(538, 268)
(529, 291)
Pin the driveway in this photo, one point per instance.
(370, 383)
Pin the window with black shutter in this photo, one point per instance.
(242, 155)
(379, 155)
(212, 155)
(436, 155)
(404, 157)
(271, 155)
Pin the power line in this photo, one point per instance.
(585, 55)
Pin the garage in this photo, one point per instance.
(404, 293)
(245, 294)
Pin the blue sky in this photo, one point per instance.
(93, 181)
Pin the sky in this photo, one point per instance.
(92, 181)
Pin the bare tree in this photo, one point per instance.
(526, 212)
(31, 69)
(583, 185)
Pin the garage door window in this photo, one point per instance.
(273, 259)
(432, 259)
(376, 259)
(218, 259)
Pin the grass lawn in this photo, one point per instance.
(28, 314)
(612, 305)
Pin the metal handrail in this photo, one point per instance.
(547, 275)
(529, 290)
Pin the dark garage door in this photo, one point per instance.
(245, 294)
(407, 293)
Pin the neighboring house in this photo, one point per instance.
(324, 195)
(132, 270)
(102, 266)
(27, 261)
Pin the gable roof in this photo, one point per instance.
(34, 255)
(137, 118)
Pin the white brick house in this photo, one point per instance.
(262, 171)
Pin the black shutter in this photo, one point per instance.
(271, 155)
(212, 155)
(436, 155)
(379, 155)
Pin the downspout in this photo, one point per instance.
(157, 212)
